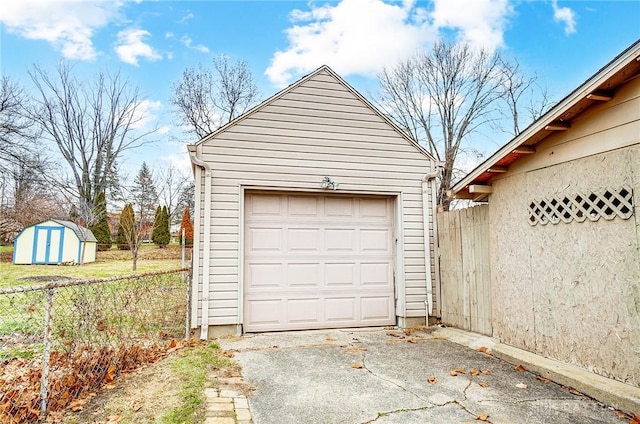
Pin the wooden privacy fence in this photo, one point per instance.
(463, 237)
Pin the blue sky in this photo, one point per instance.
(152, 42)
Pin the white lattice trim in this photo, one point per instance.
(608, 204)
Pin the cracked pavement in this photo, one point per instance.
(386, 376)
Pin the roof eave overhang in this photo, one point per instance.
(499, 161)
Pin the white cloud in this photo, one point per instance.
(187, 41)
(186, 17)
(131, 46)
(353, 37)
(362, 36)
(68, 25)
(481, 23)
(564, 15)
(146, 115)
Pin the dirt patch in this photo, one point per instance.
(145, 395)
(146, 253)
(142, 396)
(45, 278)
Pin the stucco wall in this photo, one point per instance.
(570, 291)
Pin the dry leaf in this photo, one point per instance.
(483, 384)
(432, 380)
(412, 340)
(521, 386)
(227, 354)
(460, 370)
(356, 365)
(77, 404)
(389, 327)
(520, 368)
(543, 379)
(111, 374)
(621, 414)
(475, 372)
(393, 334)
(453, 373)
(482, 349)
(482, 417)
(572, 390)
(486, 372)
(330, 339)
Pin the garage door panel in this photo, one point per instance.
(376, 274)
(263, 239)
(340, 239)
(340, 309)
(303, 239)
(375, 308)
(306, 206)
(263, 275)
(339, 207)
(265, 311)
(303, 275)
(323, 262)
(374, 208)
(265, 205)
(304, 310)
(375, 240)
(340, 274)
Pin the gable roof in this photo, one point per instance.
(600, 87)
(300, 82)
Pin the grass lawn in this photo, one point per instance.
(111, 263)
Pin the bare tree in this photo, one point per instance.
(136, 219)
(16, 130)
(441, 97)
(207, 98)
(27, 197)
(518, 88)
(91, 123)
(171, 185)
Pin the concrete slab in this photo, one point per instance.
(386, 376)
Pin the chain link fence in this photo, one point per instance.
(62, 341)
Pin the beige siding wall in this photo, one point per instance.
(318, 129)
(571, 291)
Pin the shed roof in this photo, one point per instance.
(301, 81)
(83, 233)
(600, 87)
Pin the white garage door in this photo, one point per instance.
(316, 261)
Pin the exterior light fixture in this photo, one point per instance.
(329, 184)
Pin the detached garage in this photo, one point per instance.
(312, 211)
(54, 242)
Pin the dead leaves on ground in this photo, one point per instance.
(633, 418)
(357, 365)
(519, 368)
(432, 380)
(74, 377)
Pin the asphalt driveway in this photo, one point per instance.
(387, 376)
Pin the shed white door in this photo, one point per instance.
(314, 261)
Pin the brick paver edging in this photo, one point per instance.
(226, 406)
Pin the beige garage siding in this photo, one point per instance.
(318, 128)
